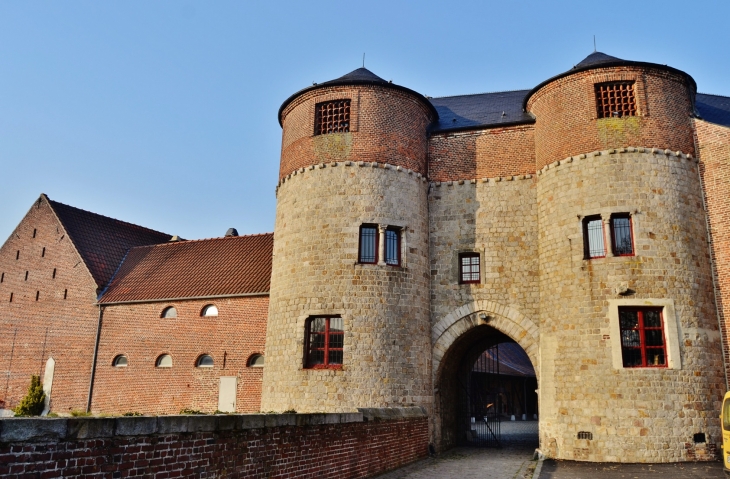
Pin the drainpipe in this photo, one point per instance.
(93, 362)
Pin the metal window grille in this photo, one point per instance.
(469, 268)
(332, 117)
(615, 99)
(642, 338)
(368, 244)
(585, 435)
(593, 237)
(623, 244)
(392, 247)
(325, 340)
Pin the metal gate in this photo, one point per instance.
(481, 402)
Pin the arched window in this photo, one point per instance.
(164, 361)
(169, 312)
(210, 310)
(120, 361)
(204, 361)
(256, 361)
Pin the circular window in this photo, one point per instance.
(205, 361)
(256, 361)
(164, 361)
(210, 310)
(169, 312)
(120, 361)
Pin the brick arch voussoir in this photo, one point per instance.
(502, 318)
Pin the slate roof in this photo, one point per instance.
(713, 108)
(479, 111)
(101, 241)
(233, 265)
(359, 75)
(596, 58)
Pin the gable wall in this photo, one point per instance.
(32, 331)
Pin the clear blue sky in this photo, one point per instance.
(164, 113)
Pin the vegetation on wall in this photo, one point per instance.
(33, 403)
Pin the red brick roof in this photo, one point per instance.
(101, 241)
(234, 265)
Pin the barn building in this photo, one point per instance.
(581, 225)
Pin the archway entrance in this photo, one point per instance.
(486, 392)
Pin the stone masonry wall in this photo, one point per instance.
(316, 272)
(291, 446)
(634, 414)
(567, 122)
(714, 150)
(386, 126)
(48, 316)
(488, 153)
(137, 331)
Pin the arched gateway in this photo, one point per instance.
(460, 339)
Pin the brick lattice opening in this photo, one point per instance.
(332, 117)
(615, 99)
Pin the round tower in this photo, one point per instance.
(631, 362)
(348, 317)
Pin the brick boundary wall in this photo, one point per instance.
(345, 445)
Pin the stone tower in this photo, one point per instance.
(615, 151)
(353, 166)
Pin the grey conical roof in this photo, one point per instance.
(596, 58)
(359, 75)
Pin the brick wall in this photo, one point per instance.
(386, 125)
(48, 317)
(486, 153)
(567, 122)
(714, 151)
(137, 331)
(354, 445)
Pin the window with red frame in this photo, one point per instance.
(642, 337)
(469, 268)
(621, 235)
(392, 246)
(368, 251)
(325, 337)
(593, 237)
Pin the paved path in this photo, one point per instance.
(596, 470)
(471, 463)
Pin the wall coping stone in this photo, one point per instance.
(32, 429)
(678, 155)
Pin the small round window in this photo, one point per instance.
(205, 361)
(164, 361)
(169, 312)
(120, 361)
(210, 310)
(256, 361)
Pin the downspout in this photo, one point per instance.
(93, 361)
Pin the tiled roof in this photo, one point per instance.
(361, 74)
(596, 58)
(101, 241)
(233, 265)
(480, 111)
(714, 108)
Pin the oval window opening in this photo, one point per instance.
(164, 361)
(210, 310)
(256, 361)
(205, 361)
(120, 361)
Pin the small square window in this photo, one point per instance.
(642, 337)
(368, 252)
(615, 99)
(469, 268)
(593, 239)
(332, 117)
(324, 343)
(621, 235)
(392, 246)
